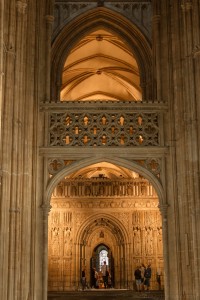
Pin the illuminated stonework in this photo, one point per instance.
(79, 222)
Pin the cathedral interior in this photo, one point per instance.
(99, 145)
(103, 208)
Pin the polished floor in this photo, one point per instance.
(111, 294)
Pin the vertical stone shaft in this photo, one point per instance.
(49, 22)
(156, 49)
(17, 155)
(7, 128)
(191, 135)
(46, 210)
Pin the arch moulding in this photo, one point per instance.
(113, 22)
(114, 160)
(100, 219)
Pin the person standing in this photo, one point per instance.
(142, 268)
(147, 277)
(93, 279)
(83, 279)
(138, 278)
(96, 279)
(104, 274)
(158, 278)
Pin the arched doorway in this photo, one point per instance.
(103, 207)
(102, 254)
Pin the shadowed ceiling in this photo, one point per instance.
(100, 67)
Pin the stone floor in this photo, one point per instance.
(111, 294)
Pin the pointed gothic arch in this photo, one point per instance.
(116, 240)
(84, 24)
(114, 160)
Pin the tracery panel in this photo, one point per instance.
(104, 129)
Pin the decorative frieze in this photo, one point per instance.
(102, 187)
(105, 204)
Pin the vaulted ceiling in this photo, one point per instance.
(100, 67)
(104, 169)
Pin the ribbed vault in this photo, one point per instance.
(101, 55)
(100, 66)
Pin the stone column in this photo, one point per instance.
(46, 207)
(49, 22)
(156, 39)
(163, 209)
(189, 38)
(2, 65)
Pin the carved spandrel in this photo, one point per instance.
(139, 13)
(55, 165)
(64, 12)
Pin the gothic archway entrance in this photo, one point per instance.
(103, 207)
(102, 253)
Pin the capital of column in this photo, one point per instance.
(163, 209)
(21, 7)
(196, 51)
(46, 207)
(15, 210)
(156, 19)
(186, 6)
(49, 19)
(9, 49)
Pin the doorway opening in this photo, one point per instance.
(103, 212)
(102, 255)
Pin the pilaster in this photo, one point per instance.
(156, 49)
(46, 207)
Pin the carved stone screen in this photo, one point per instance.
(121, 214)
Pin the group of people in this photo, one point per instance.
(142, 277)
(95, 278)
